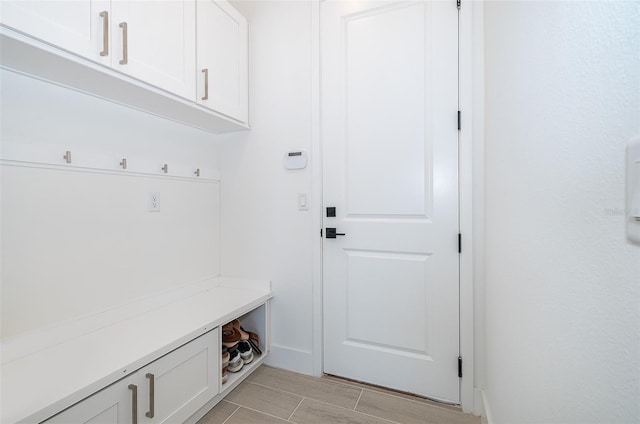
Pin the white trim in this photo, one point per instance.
(316, 191)
(476, 44)
(291, 359)
(478, 406)
(487, 416)
(466, 196)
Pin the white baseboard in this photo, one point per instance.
(486, 416)
(291, 359)
(478, 405)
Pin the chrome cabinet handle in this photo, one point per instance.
(152, 394)
(105, 33)
(125, 53)
(206, 84)
(134, 403)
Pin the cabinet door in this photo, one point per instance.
(77, 26)
(223, 53)
(159, 44)
(111, 405)
(183, 381)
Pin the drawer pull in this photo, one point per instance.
(125, 53)
(152, 394)
(105, 33)
(134, 403)
(206, 84)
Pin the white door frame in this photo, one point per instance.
(466, 156)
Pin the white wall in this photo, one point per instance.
(264, 235)
(75, 243)
(562, 284)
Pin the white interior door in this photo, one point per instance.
(390, 155)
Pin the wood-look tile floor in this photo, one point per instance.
(272, 396)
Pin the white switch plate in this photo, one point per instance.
(153, 202)
(303, 203)
(632, 207)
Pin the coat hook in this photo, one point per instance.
(67, 156)
(123, 164)
(165, 168)
(197, 172)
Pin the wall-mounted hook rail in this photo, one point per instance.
(123, 163)
(67, 156)
(165, 168)
(197, 172)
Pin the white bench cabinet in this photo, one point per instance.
(170, 389)
(81, 371)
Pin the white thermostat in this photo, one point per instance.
(295, 159)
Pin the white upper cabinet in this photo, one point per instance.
(154, 41)
(146, 50)
(78, 26)
(222, 59)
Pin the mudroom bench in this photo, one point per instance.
(150, 361)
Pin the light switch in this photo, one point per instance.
(302, 202)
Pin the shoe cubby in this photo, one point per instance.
(252, 323)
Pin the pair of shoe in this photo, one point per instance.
(239, 356)
(235, 340)
(233, 332)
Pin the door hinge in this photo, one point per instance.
(458, 3)
(459, 243)
(320, 232)
(459, 120)
(459, 367)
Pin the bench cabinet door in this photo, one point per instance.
(111, 405)
(182, 381)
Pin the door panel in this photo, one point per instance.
(389, 107)
(396, 68)
(368, 289)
